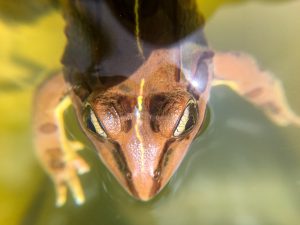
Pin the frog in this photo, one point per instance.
(139, 75)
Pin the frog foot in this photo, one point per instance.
(279, 110)
(292, 118)
(286, 118)
(66, 176)
(70, 166)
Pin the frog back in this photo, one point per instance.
(111, 39)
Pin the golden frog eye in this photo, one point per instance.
(93, 123)
(187, 120)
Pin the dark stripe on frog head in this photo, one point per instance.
(162, 104)
(122, 104)
(156, 107)
(127, 125)
(161, 164)
(123, 167)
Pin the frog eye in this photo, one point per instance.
(93, 123)
(187, 120)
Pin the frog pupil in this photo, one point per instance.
(192, 117)
(187, 120)
(90, 125)
(93, 123)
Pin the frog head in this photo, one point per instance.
(142, 127)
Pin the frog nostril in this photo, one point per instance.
(129, 175)
(157, 174)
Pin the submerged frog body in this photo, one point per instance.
(139, 76)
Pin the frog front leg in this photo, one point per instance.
(56, 152)
(260, 87)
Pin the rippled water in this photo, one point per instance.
(242, 170)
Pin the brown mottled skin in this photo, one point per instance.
(140, 147)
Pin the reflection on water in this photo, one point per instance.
(242, 170)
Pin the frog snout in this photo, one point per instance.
(145, 185)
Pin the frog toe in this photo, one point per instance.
(68, 178)
(294, 119)
(283, 116)
(76, 145)
(61, 194)
(74, 184)
(81, 165)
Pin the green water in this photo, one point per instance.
(243, 170)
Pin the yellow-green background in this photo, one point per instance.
(243, 170)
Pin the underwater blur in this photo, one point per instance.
(243, 169)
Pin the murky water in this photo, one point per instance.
(242, 170)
